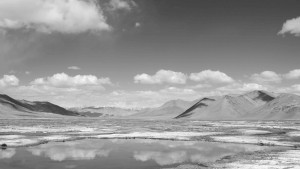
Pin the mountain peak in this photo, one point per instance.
(259, 95)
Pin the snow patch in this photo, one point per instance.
(253, 131)
(8, 137)
(159, 135)
(294, 134)
(45, 129)
(19, 142)
(282, 160)
(251, 140)
(55, 138)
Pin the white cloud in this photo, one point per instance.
(252, 86)
(211, 76)
(9, 80)
(296, 87)
(200, 86)
(239, 88)
(293, 74)
(121, 5)
(64, 80)
(74, 68)
(291, 26)
(64, 16)
(162, 76)
(176, 90)
(266, 77)
(62, 89)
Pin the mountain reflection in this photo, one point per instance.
(191, 152)
(69, 151)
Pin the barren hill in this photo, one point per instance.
(255, 105)
(10, 107)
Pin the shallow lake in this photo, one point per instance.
(118, 153)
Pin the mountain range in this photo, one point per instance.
(104, 111)
(254, 105)
(12, 108)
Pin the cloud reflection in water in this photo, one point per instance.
(69, 151)
(8, 153)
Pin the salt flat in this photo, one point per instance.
(281, 138)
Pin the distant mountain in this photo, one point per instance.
(10, 107)
(167, 111)
(104, 111)
(221, 108)
(284, 106)
(255, 105)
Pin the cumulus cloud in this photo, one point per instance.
(211, 76)
(74, 68)
(200, 86)
(61, 89)
(296, 87)
(291, 26)
(266, 77)
(64, 16)
(238, 87)
(64, 80)
(9, 80)
(294, 74)
(176, 90)
(162, 76)
(121, 5)
(252, 86)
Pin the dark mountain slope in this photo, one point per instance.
(27, 106)
(283, 107)
(199, 104)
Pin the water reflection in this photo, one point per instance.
(7, 153)
(162, 158)
(190, 152)
(69, 151)
(111, 154)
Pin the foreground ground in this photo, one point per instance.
(280, 140)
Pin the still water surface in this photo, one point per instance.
(117, 154)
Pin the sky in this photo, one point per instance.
(142, 53)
